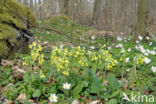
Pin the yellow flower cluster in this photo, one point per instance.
(140, 60)
(64, 59)
(105, 57)
(83, 62)
(111, 64)
(36, 54)
(60, 59)
(78, 52)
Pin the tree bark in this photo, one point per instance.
(25, 2)
(31, 4)
(96, 11)
(142, 18)
(65, 7)
(40, 9)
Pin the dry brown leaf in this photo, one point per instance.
(16, 68)
(125, 86)
(95, 102)
(7, 62)
(45, 43)
(8, 102)
(75, 102)
(21, 97)
(31, 101)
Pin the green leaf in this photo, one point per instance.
(78, 89)
(112, 101)
(113, 83)
(115, 93)
(26, 77)
(37, 93)
(95, 86)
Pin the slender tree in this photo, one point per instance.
(66, 7)
(40, 9)
(96, 11)
(25, 2)
(31, 4)
(142, 17)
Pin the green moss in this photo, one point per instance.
(18, 14)
(12, 14)
(3, 49)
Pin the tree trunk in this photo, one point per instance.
(142, 18)
(96, 11)
(65, 7)
(25, 2)
(31, 4)
(40, 5)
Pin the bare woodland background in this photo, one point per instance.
(108, 15)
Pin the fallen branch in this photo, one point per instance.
(63, 34)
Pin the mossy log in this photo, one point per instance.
(15, 22)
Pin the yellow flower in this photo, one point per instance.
(41, 61)
(66, 73)
(30, 46)
(104, 45)
(34, 43)
(42, 75)
(100, 56)
(39, 47)
(109, 67)
(115, 61)
(78, 48)
(121, 59)
(109, 55)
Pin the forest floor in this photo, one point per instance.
(69, 63)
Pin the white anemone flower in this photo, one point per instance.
(136, 47)
(93, 37)
(119, 46)
(140, 37)
(150, 43)
(48, 32)
(141, 47)
(92, 47)
(137, 41)
(109, 48)
(129, 49)
(128, 70)
(146, 54)
(61, 46)
(66, 86)
(148, 51)
(53, 98)
(147, 38)
(143, 50)
(153, 52)
(122, 50)
(147, 60)
(127, 59)
(153, 68)
(119, 38)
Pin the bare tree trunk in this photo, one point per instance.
(142, 17)
(19, 1)
(31, 4)
(40, 5)
(25, 2)
(65, 7)
(96, 11)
